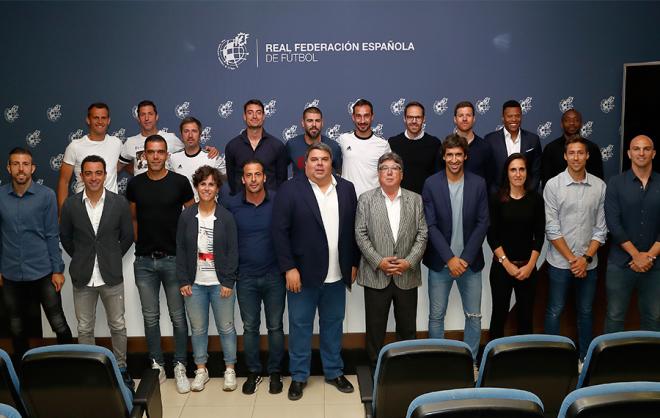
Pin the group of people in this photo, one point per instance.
(361, 208)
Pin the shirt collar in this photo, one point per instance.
(407, 135)
(568, 180)
(398, 194)
(86, 198)
(633, 177)
(334, 182)
(244, 200)
(507, 135)
(30, 190)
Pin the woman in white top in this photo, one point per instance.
(207, 262)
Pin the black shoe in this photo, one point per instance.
(296, 390)
(275, 385)
(341, 383)
(250, 385)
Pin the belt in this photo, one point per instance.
(158, 254)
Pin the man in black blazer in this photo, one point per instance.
(313, 235)
(512, 139)
(96, 231)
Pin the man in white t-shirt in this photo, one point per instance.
(96, 142)
(361, 149)
(192, 156)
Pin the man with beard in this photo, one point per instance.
(312, 123)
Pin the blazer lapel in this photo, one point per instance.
(381, 215)
(310, 199)
(107, 210)
(83, 211)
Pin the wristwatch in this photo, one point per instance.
(501, 259)
(588, 258)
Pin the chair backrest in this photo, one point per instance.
(622, 357)
(613, 400)
(476, 402)
(8, 411)
(74, 381)
(407, 369)
(10, 390)
(545, 365)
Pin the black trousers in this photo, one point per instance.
(21, 298)
(501, 285)
(377, 309)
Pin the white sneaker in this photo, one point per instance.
(201, 377)
(161, 372)
(182, 382)
(475, 371)
(580, 365)
(230, 380)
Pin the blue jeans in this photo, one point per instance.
(149, 274)
(620, 283)
(585, 289)
(251, 291)
(223, 313)
(331, 302)
(469, 287)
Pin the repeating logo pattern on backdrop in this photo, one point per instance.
(77, 134)
(226, 109)
(11, 114)
(440, 106)
(289, 133)
(544, 130)
(607, 105)
(566, 104)
(205, 136)
(233, 52)
(526, 105)
(56, 162)
(397, 106)
(313, 103)
(269, 108)
(333, 132)
(483, 105)
(54, 113)
(183, 110)
(33, 138)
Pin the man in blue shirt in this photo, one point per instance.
(632, 212)
(259, 277)
(312, 123)
(31, 263)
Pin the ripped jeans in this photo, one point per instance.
(197, 306)
(469, 287)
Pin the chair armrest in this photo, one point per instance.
(147, 396)
(366, 382)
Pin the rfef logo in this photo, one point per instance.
(233, 52)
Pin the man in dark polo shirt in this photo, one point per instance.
(255, 142)
(259, 277)
(312, 123)
(156, 198)
(419, 151)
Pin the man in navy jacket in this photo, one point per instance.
(313, 224)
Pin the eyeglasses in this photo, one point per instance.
(389, 167)
(414, 117)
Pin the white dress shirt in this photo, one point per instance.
(94, 213)
(511, 145)
(393, 212)
(329, 207)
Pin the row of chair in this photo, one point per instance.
(545, 365)
(75, 381)
(611, 400)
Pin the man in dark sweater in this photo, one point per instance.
(419, 150)
(480, 152)
(553, 162)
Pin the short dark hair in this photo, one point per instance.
(144, 103)
(411, 104)
(464, 103)
(363, 102)
(312, 109)
(253, 102)
(511, 103)
(454, 141)
(92, 159)
(253, 161)
(190, 119)
(203, 172)
(504, 191)
(391, 156)
(19, 151)
(318, 146)
(98, 105)
(154, 138)
(577, 139)
(577, 112)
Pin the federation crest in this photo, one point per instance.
(54, 113)
(350, 106)
(76, 135)
(40, 181)
(587, 129)
(607, 152)
(526, 105)
(233, 52)
(483, 105)
(183, 110)
(313, 103)
(378, 130)
(134, 112)
(33, 138)
(333, 133)
(226, 109)
(269, 108)
(566, 104)
(56, 162)
(440, 106)
(120, 133)
(397, 106)
(205, 136)
(11, 114)
(544, 130)
(164, 129)
(607, 105)
(289, 133)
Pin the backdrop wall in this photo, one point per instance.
(207, 58)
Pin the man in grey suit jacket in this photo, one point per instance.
(391, 232)
(96, 231)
